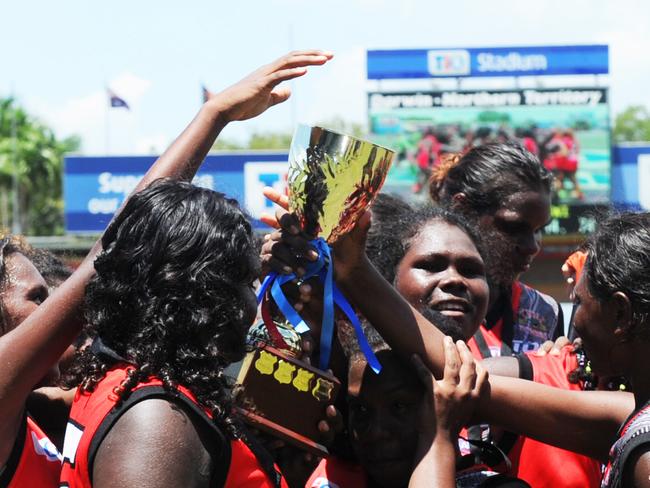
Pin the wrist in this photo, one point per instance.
(352, 274)
(216, 111)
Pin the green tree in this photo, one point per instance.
(633, 124)
(30, 151)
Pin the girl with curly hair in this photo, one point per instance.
(31, 348)
(168, 310)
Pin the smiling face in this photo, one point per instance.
(442, 270)
(513, 234)
(383, 419)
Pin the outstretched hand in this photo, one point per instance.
(260, 90)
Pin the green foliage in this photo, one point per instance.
(633, 124)
(36, 156)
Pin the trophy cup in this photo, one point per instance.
(333, 178)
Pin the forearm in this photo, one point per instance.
(400, 325)
(184, 157)
(436, 465)
(584, 422)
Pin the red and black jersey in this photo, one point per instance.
(519, 324)
(633, 434)
(541, 464)
(94, 413)
(34, 460)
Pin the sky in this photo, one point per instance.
(58, 58)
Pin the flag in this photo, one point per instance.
(206, 93)
(117, 102)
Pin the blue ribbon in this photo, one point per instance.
(331, 295)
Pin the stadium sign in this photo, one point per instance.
(487, 98)
(482, 62)
(95, 187)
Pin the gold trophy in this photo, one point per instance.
(332, 179)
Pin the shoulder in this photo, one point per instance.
(155, 443)
(636, 472)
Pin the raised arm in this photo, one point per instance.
(28, 351)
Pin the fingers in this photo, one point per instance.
(270, 220)
(307, 57)
(452, 362)
(276, 197)
(467, 369)
(544, 348)
(307, 347)
(279, 95)
(553, 348)
(560, 343)
(331, 425)
(288, 221)
(482, 380)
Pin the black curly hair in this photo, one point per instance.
(52, 268)
(618, 259)
(395, 224)
(171, 295)
(487, 174)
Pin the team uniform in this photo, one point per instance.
(633, 434)
(94, 413)
(333, 472)
(541, 464)
(34, 460)
(519, 324)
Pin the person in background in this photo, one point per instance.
(504, 192)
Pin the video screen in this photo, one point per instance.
(568, 129)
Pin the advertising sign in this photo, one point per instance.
(631, 176)
(95, 187)
(482, 62)
(568, 129)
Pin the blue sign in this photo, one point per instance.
(631, 174)
(95, 187)
(497, 61)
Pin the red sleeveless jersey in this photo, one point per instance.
(94, 413)
(540, 464)
(543, 465)
(34, 460)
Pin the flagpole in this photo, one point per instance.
(16, 228)
(106, 119)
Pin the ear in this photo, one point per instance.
(622, 309)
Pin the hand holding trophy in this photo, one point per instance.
(332, 180)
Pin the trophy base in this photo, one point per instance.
(285, 397)
(282, 433)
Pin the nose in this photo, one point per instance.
(530, 245)
(378, 429)
(451, 280)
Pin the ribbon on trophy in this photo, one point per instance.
(332, 179)
(331, 296)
